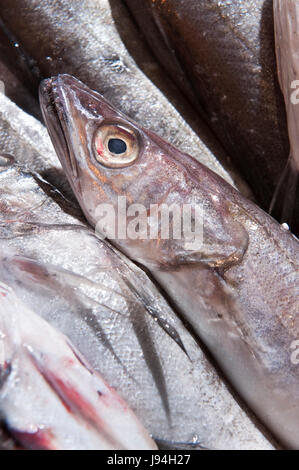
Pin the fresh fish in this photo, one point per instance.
(221, 54)
(81, 38)
(287, 43)
(50, 398)
(114, 315)
(238, 289)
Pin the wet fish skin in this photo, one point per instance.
(221, 54)
(82, 39)
(84, 290)
(110, 311)
(25, 138)
(239, 291)
(27, 141)
(50, 397)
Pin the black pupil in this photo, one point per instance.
(117, 146)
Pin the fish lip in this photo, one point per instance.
(53, 108)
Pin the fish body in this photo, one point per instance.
(26, 141)
(222, 55)
(111, 312)
(238, 289)
(50, 398)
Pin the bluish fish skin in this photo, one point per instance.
(239, 290)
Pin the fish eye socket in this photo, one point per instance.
(116, 146)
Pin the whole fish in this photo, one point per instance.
(111, 312)
(221, 54)
(238, 288)
(81, 38)
(287, 43)
(50, 398)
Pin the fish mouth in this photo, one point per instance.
(54, 110)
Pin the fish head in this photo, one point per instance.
(102, 152)
(112, 162)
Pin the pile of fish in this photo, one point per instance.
(143, 343)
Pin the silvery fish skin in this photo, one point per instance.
(111, 312)
(221, 54)
(287, 43)
(239, 290)
(26, 138)
(81, 38)
(50, 397)
(115, 316)
(27, 141)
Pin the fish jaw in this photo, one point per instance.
(53, 106)
(64, 404)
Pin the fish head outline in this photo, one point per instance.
(107, 156)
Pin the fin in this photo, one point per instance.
(148, 306)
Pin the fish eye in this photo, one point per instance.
(116, 146)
